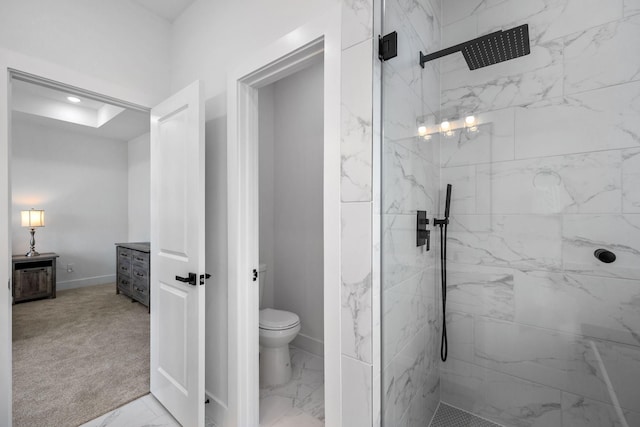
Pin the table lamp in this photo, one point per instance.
(32, 218)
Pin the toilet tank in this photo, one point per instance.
(262, 278)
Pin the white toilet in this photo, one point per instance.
(277, 329)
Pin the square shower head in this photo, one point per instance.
(490, 49)
(497, 47)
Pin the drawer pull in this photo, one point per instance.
(139, 274)
(124, 254)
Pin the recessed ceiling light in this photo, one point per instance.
(73, 99)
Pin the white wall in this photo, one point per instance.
(267, 192)
(138, 188)
(291, 232)
(81, 183)
(211, 37)
(117, 41)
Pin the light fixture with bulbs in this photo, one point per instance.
(447, 127)
(470, 124)
(73, 99)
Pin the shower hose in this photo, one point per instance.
(443, 272)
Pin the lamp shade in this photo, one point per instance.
(32, 218)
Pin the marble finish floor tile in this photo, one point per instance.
(300, 402)
(143, 412)
(448, 416)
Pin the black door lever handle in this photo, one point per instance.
(190, 280)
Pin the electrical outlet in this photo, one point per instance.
(69, 268)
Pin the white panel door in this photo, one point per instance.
(177, 252)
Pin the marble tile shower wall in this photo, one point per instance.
(356, 131)
(410, 178)
(541, 333)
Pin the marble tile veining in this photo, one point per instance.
(630, 179)
(527, 79)
(518, 241)
(498, 397)
(578, 411)
(579, 183)
(549, 19)
(601, 119)
(356, 123)
(586, 52)
(600, 307)
(357, 21)
(583, 234)
(300, 402)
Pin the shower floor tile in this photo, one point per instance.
(300, 402)
(448, 416)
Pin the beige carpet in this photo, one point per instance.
(78, 356)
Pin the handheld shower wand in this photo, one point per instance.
(443, 223)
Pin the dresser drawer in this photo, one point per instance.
(124, 267)
(140, 292)
(32, 283)
(140, 259)
(139, 273)
(124, 254)
(124, 284)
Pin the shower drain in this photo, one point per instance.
(448, 416)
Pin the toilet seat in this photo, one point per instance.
(278, 320)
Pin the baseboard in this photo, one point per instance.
(309, 344)
(215, 411)
(87, 281)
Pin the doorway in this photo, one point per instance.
(291, 329)
(319, 39)
(186, 138)
(82, 348)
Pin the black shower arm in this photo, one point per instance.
(452, 49)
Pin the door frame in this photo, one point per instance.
(289, 54)
(12, 61)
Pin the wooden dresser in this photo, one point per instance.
(34, 277)
(133, 271)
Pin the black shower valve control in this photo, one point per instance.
(423, 236)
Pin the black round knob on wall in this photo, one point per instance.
(605, 256)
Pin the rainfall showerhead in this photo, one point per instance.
(490, 49)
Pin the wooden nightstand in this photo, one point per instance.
(34, 277)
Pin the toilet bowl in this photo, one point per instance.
(277, 329)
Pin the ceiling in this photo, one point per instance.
(130, 124)
(167, 9)
(33, 104)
